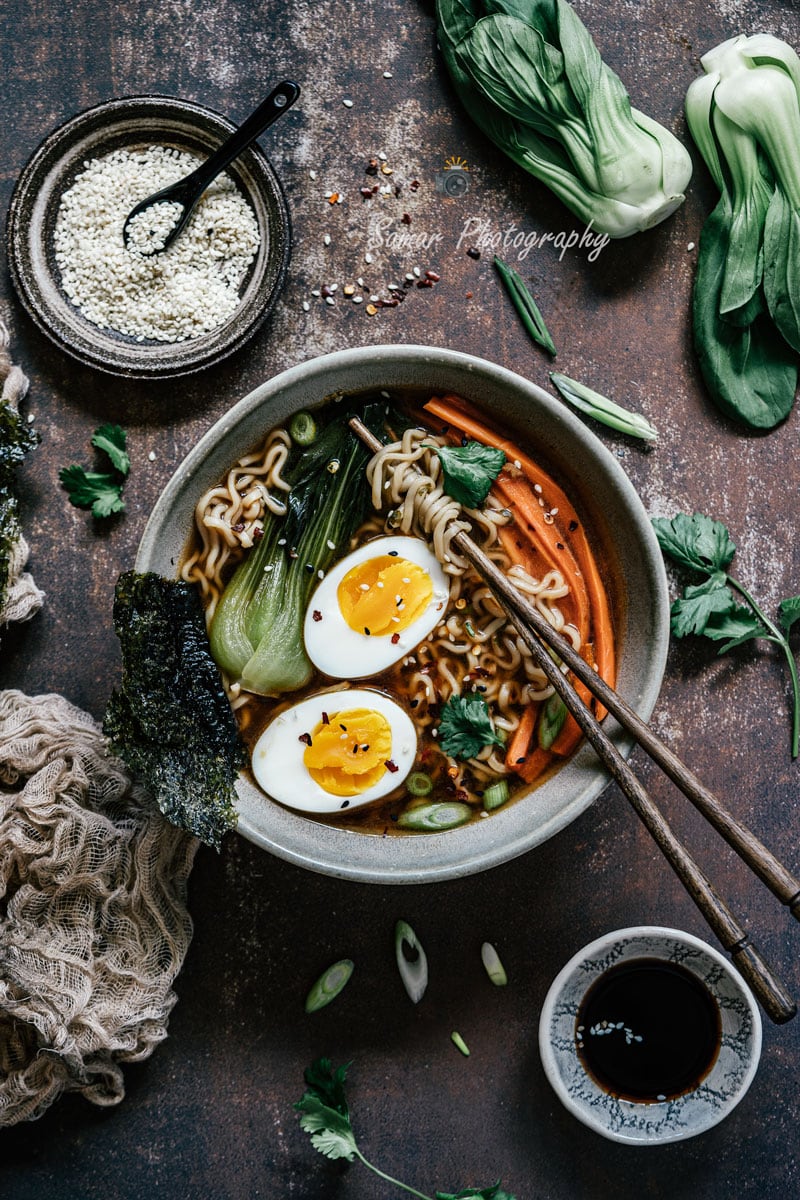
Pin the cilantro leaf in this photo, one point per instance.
(111, 440)
(90, 489)
(691, 613)
(466, 727)
(739, 625)
(789, 612)
(330, 1131)
(327, 1084)
(695, 541)
(469, 471)
(495, 1192)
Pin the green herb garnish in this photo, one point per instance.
(469, 471)
(99, 490)
(710, 608)
(325, 1117)
(329, 985)
(466, 727)
(526, 306)
(602, 409)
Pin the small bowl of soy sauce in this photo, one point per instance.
(649, 1035)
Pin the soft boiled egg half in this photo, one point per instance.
(374, 606)
(335, 750)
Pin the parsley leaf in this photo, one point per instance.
(466, 727)
(326, 1119)
(469, 471)
(695, 541)
(90, 489)
(111, 440)
(710, 608)
(789, 612)
(98, 490)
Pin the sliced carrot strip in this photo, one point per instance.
(517, 750)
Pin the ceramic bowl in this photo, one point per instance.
(129, 123)
(599, 487)
(659, 1122)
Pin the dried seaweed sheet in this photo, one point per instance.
(170, 719)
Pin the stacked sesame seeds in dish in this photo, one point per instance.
(188, 290)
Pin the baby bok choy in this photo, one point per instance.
(744, 115)
(530, 76)
(257, 631)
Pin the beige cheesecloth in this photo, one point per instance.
(93, 919)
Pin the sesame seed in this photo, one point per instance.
(151, 456)
(347, 103)
(367, 259)
(306, 306)
(388, 75)
(326, 241)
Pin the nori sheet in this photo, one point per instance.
(170, 719)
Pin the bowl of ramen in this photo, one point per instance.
(397, 728)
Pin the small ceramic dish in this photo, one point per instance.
(598, 485)
(131, 123)
(638, 1122)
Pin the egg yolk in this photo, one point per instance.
(384, 595)
(348, 754)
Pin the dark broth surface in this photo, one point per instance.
(648, 1030)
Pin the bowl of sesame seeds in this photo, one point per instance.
(122, 311)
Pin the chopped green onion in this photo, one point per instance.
(459, 1043)
(495, 795)
(419, 784)
(494, 968)
(526, 306)
(303, 428)
(431, 817)
(602, 409)
(552, 717)
(329, 985)
(413, 969)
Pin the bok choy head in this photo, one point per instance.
(744, 115)
(529, 74)
(257, 631)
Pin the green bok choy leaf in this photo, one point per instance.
(530, 76)
(744, 115)
(257, 631)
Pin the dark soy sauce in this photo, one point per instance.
(648, 1030)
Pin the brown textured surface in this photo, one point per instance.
(210, 1114)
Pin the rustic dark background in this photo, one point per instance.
(210, 1114)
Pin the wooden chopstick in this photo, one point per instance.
(538, 634)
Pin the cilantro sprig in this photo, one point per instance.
(100, 491)
(470, 470)
(465, 727)
(711, 608)
(326, 1118)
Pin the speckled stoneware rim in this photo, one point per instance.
(130, 121)
(668, 1121)
(620, 522)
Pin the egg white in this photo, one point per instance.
(344, 653)
(277, 759)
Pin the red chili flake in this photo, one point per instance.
(238, 527)
(406, 219)
(316, 615)
(462, 795)
(414, 185)
(258, 533)
(333, 198)
(391, 766)
(326, 291)
(325, 719)
(395, 638)
(468, 295)
(474, 252)
(366, 192)
(393, 303)
(424, 283)
(376, 189)
(305, 737)
(432, 275)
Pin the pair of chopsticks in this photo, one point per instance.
(538, 634)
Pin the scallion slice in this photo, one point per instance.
(495, 795)
(494, 968)
(459, 1043)
(602, 409)
(431, 818)
(419, 784)
(551, 720)
(411, 963)
(329, 985)
(303, 428)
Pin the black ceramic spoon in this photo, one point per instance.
(186, 192)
